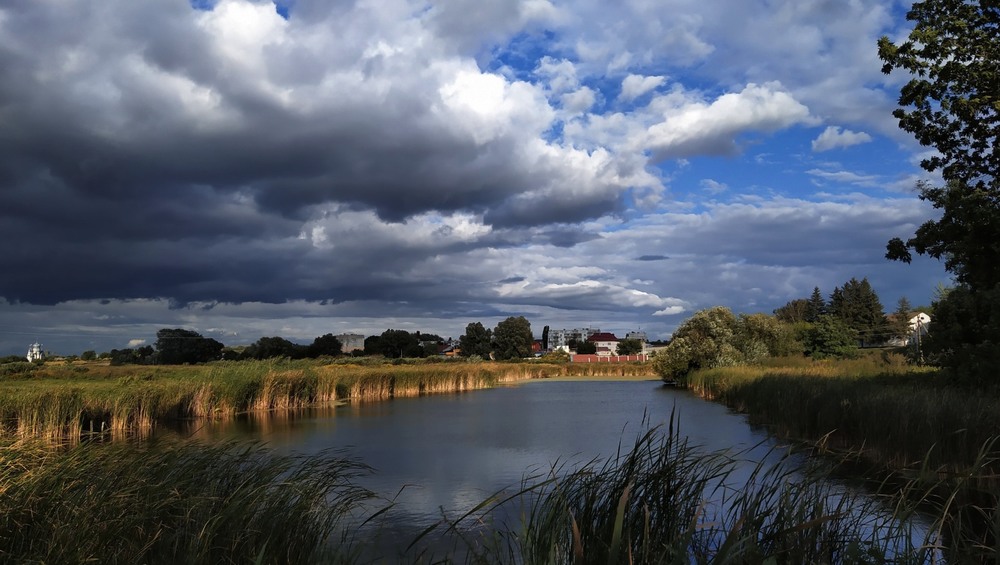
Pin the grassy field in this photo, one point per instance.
(58, 401)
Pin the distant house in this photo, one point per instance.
(607, 343)
(919, 323)
(35, 352)
(351, 342)
(641, 337)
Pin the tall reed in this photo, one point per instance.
(665, 501)
(174, 503)
(898, 416)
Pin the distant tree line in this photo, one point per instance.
(853, 317)
(175, 346)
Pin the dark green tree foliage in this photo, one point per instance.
(88, 355)
(629, 347)
(477, 341)
(952, 103)
(275, 347)
(178, 346)
(373, 345)
(512, 338)
(144, 355)
(859, 307)
(964, 335)
(545, 338)
(830, 336)
(399, 343)
(327, 345)
(899, 325)
(586, 348)
(816, 307)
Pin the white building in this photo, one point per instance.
(350, 342)
(35, 352)
(561, 338)
(606, 343)
(639, 335)
(919, 323)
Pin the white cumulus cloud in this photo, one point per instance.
(834, 137)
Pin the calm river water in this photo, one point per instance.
(452, 451)
(441, 455)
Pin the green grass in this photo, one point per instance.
(174, 503)
(894, 414)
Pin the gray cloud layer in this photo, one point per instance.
(390, 161)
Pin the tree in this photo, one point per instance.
(179, 346)
(703, 341)
(477, 341)
(629, 347)
(586, 348)
(144, 355)
(859, 307)
(794, 311)
(399, 343)
(512, 338)
(272, 347)
(964, 335)
(830, 336)
(759, 336)
(899, 324)
(545, 338)
(88, 355)
(952, 103)
(816, 306)
(327, 344)
(373, 345)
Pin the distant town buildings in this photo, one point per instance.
(562, 338)
(35, 352)
(638, 335)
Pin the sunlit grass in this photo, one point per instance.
(70, 402)
(896, 414)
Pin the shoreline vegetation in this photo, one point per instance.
(182, 501)
(70, 402)
(876, 408)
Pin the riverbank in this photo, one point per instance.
(893, 414)
(68, 402)
(173, 502)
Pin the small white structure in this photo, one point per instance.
(35, 352)
(350, 342)
(919, 323)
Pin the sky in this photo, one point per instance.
(248, 168)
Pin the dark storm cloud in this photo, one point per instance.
(651, 258)
(154, 151)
